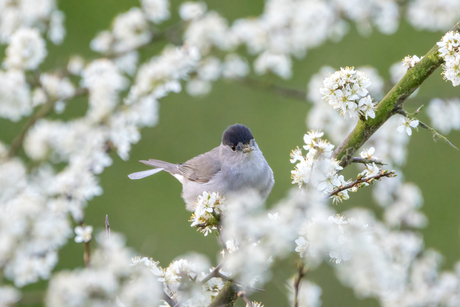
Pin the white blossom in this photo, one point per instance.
(156, 10)
(192, 10)
(83, 234)
(57, 32)
(130, 30)
(15, 97)
(234, 67)
(444, 114)
(406, 124)
(308, 293)
(26, 50)
(410, 61)
(433, 15)
(278, 64)
(8, 296)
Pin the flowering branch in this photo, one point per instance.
(390, 104)
(19, 139)
(368, 180)
(45, 109)
(436, 134)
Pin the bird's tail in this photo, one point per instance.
(160, 166)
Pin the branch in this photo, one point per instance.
(19, 139)
(107, 226)
(300, 274)
(45, 109)
(279, 90)
(436, 134)
(366, 161)
(214, 273)
(87, 254)
(242, 294)
(384, 173)
(226, 297)
(387, 107)
(169, 300)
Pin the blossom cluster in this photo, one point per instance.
(183, 279)
(41, 15)
(346, 91)
(67, 155)
(449, 51)
(207, 212)
(444, 114)
(108, 281)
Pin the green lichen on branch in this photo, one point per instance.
(226, 297)
(389, 105)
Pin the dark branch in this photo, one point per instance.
(302, 271)
(107, 226)
(279, 90)
(245, 299)
(366, 161)
(358, 181)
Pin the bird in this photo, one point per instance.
(235, 166)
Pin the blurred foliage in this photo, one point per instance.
(151, 213)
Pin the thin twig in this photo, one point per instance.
(87, 254)
(221, 240)
(243, 296)
(277, 89)
(367, 161)
(214, 273)
(19, 139)
(300, 274)
(436, 134)
(44, 110)
(169, 300)
(220, 275)
(384, 173)
(107, 226)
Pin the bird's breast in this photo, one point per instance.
(252, 173)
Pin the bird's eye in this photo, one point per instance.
(233, 147)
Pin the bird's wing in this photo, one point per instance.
(201, 168)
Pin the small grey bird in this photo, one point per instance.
(234, 166)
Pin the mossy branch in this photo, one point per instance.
(226, 297)
(389, 105)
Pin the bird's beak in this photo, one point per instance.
(248, 148)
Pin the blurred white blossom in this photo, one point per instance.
(192, 10)
(15, 100)
(27, 49)
(444, 114)
(83, 234)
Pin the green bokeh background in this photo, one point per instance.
(151, 213)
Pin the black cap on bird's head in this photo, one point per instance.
(235, 134)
